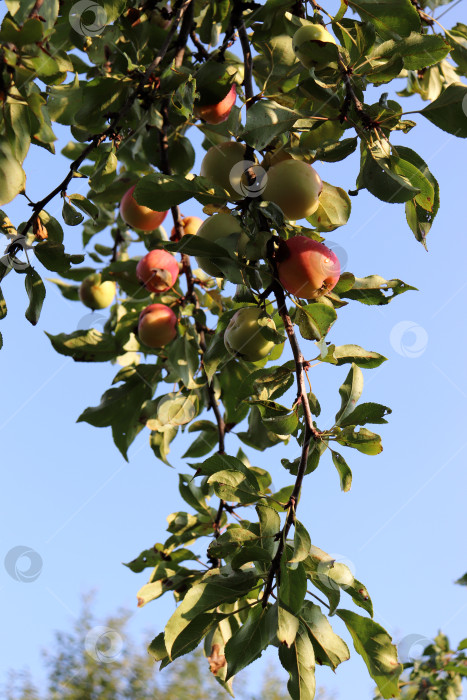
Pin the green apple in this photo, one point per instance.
(217, 166)
(295, 187)
(96, 294)
(314, 46)
(215, 227)
(243, 335)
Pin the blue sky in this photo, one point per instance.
(68, 494)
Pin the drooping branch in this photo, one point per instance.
(112, 130)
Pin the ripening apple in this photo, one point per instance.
(96, 294)
(157, 325)
(215, 227)
(217, 166)
(190, 225)
(158, 271)
(314, 46)
(307, 269)
(243, 336)
(219, 112)
(295, 187)
(138, 216)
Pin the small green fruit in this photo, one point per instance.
(314, 46)
(243, 336)
(215, 227)
(96, 294)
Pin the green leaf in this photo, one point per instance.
(233, 538)
(302, 542)
(207, 595)
(392, 19)
(299, 661)
(174, 409)
(159, 442)
(376, 290)
(417, 50)
(120, 407)
(29, 33)
(105, 171)
(374, 645)
(86, 206)
(269, 527)
(249, 641)
(333, 209)
(265, 120)
(204, 443)
(344, 354)
(364, 440)
(448, 111)
(366, 413)
(343, 469)
(52, 255)
(379, 176)
(160, 192)
(329, 648)
(69, 291)
(250, 554)
(86, 345)
(36, 292)
(315, 320)
(350, 392)
(233, 486)
(462, 581)
(12, 177)
(70, 215)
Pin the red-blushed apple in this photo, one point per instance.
(243, 336)
(217, 166)
(96, 294)
(138, 216)
(215, 227)
(157, 325)
(314, 46)
(190, 225)
(158, 271)
(219, 112)
(307, 269)
(295, 187)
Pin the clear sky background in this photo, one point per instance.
(69, 495)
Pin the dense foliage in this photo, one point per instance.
(130, 78)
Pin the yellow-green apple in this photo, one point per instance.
(295, 187)
(219, 112)
(157, 325)
(138, 216)
(96, 294)
(329, 130)
(243, 335)
(314, 46)
(307, 268)
(217, 166)
(158, 271)
(190, 225)
(215, 227)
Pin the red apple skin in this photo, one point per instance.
(158, 271)
(190, 225)
(219, 112)
(157, 325)
(138, 216)
(309, 269)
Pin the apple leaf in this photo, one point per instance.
(160, 192)
(417, 50)
(366, 413)
(36, 292)
(12, 177)
(448, 111)
(375, 290)
(299, 661)
(350, 392)
(249, 641)
(329, 648)
(343, 354)
(362, 440)
(375, 646)
(392, 19)
(333, 209)
(86, 345)
(343, 469)
(265, 120)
